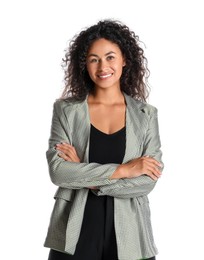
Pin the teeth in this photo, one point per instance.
(105, 76)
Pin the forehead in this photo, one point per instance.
(103, 46)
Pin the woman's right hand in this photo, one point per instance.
(67, 152)
(140, 166)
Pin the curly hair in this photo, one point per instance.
(134, 78)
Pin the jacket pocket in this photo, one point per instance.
(58, 221)
(142, 199)
(65, 194)
(143, 202)
(144, 208)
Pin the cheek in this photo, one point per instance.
(90, 72)
(119, 69)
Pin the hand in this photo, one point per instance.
(93, 188)
(140, 166)
(67, 152)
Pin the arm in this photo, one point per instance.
(142, 185)
(73, 175)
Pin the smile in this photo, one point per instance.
(105, 76)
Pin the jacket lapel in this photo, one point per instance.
(79, 126)
(134, 126)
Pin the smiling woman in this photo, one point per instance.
(134, 76)
(104, 150)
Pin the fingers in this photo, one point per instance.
(152, 172)
(67, 152)
(145, 166)
(152, 160)
(151, 175)
(65, 157)
(152, 168)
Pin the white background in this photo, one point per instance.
(33, 36)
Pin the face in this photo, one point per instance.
(105, 63)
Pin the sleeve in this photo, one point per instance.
(70, 174)
(142, 185)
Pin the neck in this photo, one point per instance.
(107, 96)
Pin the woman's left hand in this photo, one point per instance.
(67, 152)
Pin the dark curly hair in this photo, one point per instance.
(134, 79)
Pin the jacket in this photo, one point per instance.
(71, 123)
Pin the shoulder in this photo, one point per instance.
(67, 104)
(139, 106)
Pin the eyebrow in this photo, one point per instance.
(95, 55)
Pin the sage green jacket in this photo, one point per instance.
(71, 123)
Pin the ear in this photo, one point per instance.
(124, 62)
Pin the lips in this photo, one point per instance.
(105, 76)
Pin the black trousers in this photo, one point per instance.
(97, 239)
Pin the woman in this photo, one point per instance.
(104, 150)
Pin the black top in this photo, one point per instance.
(107, 148)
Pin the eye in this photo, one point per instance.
(110, 57)
(93, 60)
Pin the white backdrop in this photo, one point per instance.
(34, 35)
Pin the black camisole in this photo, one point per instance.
(98, 232)
(106, 148)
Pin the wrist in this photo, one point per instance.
(119, 173)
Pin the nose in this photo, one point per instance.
(102, 65)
